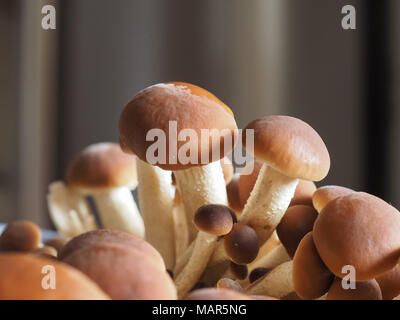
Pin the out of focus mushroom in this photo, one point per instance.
(21, 235)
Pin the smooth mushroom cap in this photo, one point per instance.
(102, 166)
(295, 224)
(247, 179)
(365, 290)
(360, 230)
(192, 108)
(291, 146)
(311, 278)
(214, 219)
(232, 191)
(238, 270)
(303, 194)
(389, 282)
(111, 236)
(22, 275)
(322, 196)
(21, 235)
(216, 294)
(122, 272)
(241, 244)
(227, 169)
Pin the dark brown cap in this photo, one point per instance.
(21, 235)
(226, 283)
(389, 282)
(322, 196)
(360, 230)
(22, 275)
(303, 194)
(290, 146)
(191, 107)
(102, 166)
(240, 271)
(247, 179)
(216, 294)
(214, 219)
(311, 278)
(242, 244)
(365, 290)
(296, 223)
(232, 190)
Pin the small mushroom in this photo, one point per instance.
(21, 235)
(226, 283)
(214, 219)
(365, 290)
(322, 196)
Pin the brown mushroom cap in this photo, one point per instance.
(365, 290)
(102, 166)
(290, 146)
(232, 191)
(226, 283)
(239, 271)
(111, 236)
(214, 219)
(311, 278)
(21, 279)
(227, 169)
(322, 196)
(21, 235)
(57, 242)
(247, 180)
(296, 223)
(303, 194)
(389, 282)
(241, 244)
(216, 294)
(191, 107)
(122, 272)
(360, 230)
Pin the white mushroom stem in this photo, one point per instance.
(199, 186)
(181, 230)
(69, 211)
(277, 283)
(156, 196)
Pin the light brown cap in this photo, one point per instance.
(258, 273)
(21, 235)
(365, 290)
(360, 230)
(226, 283)
(191, 107)
(216, 294)
(227, 169)
(240, 271)
(247, 179)
(322, 196)
(122, 272)
(295, 224)
(232, 190)
(311, 278)
(241, 244)
(111, 236)
(290, 146)
(21, 279)
(389, 282)
(214, 219)
(303, 194)
(102, 166)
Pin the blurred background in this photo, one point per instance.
(63, 89)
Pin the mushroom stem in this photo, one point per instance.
(199, 186)
(180, 229)
(277, 283)
(156, 196)
(69, 211)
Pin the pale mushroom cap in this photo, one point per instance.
(21, 279)
(122, 272)
(303, 194)
(311, 278)
(102, 166)
(191, 107)
(216, 294)
(290, 146)
(111, 236)
(322, 196)
(389, 282)
(214, 219)
(21, 235)
(360, 230)
(366, 290)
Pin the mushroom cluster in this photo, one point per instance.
(201, 231)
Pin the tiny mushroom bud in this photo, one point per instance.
(359, 230)
(322, 196)
(365, 290)
(311, 278)
(241, 244)
(214, 219)
(20, 235)
(295, 224)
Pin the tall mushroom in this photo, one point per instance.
(105, 172)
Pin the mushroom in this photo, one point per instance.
(123, 272)
(214, 219)
(365, 290)
(311, 278)
(226, 283)
(45, 251)
(303, 194)
(389, 282)
(56, 242)
(181, 227)
(105, 172)
(21, 235)
(232, 190)
(360, 230)
(322, 196)
(22, 275)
